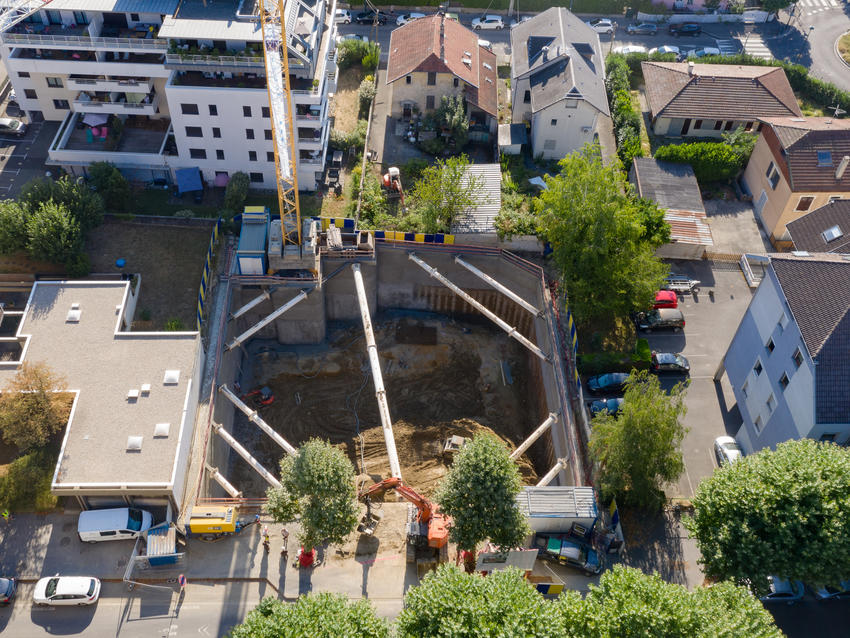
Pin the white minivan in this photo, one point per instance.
(121, 523)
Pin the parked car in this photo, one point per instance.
(568, 551)
(727, 450)
(520, 21)
(13, 109)
(368, 17)
(66, 590)
(601, 25)
(611, 405)
(351, 36)
(630, 48)
(452, 16)
(8, 587)
(342, 16)
(699, 53)
(120, 523)
(404, 18)
(669, 362)
(832, 592)
(488, 22)
(684, 28)
(662, 318)
(667, 48)
(787, 591)
(666, 299)
(486, 44)
(11, 126)
(603, 383)
(645, 28)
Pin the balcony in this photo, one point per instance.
(102, 83)
(59, 37)
(186, 62)
(117, 102)
(219, 80)
(139, 141)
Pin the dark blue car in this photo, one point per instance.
(604, 383)
(612, 405)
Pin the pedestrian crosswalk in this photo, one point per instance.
(755, 46)
(809, 7)
(727, 47)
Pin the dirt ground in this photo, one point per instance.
(169, 258)
(346, 102)
(442, 377)
(20, 263)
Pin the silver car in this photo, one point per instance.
(11, 126)
(727, 450)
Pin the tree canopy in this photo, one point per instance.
(13, 226)
(85, 206)
(317, 615)
(32, 406)
(639, 449)
(603, 238)
(443, 191)
(111, 185)
(53, 234)
(317, 484)
(784, 512)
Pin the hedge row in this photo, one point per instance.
(604, 7)
(591, 363)
(625, 118)
(711, 161)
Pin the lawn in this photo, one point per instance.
(844, 47)
(346, 104)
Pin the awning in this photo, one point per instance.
(188, 179)
(95, 119)
(221, 179)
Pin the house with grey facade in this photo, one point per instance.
(557, 82)
(788, 363)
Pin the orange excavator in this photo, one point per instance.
(427, 527)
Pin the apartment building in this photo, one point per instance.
(157, 85)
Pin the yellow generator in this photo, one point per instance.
(211, 523)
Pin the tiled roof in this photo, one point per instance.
(790, 129)
(717, 91)
(432, 44)
(485, 95)
(807, 231)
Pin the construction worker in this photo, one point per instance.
(266, 539)
(284, 551)
(181, 580)
(6, 516)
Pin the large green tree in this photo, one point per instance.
(112, 186)
(316, 615)
(784, 512)
(443, 191)
(630, 604)
(33, 407)
(479, 493)
(639, 449)
(452, 604)
(85, 206)
(13, 226)
(53, 234)
(603, 238)
(317, 485)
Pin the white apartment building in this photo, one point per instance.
(175, 83)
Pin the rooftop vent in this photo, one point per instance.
(132, 394)
(73, 314)
(487, 66)
(467, 61)
(134, 443)
(146, 389)
(831, 234)
(842, 166)
(161, 429)
(172, 377)
(800, 253)
(690, 68)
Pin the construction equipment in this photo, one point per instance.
(260, 397)
(427, 527)
(212, 523)
(392, 184)
(453, 445)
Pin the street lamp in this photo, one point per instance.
(809, 32)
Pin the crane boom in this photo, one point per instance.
(280, 112)
(17, 11)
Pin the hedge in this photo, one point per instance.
(711, 161)
(625, 118)
(604, 7)
(591, 363)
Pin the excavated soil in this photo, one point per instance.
(442, 377)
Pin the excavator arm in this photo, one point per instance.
(425, 507)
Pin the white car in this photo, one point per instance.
(601, 25)
(667, 48)
(351, 36)
(488, 22)
(342, 16)
(486, 44)
(727, 450)
(408, 17)
(630, 48)
(701, 53)
(66, 590)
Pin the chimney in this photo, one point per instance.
(545, 52)
(842, 166)
(690, 68)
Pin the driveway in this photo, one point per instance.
(386, 135)
(22, 159)
(734, 228)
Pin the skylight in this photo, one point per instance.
(824, 158)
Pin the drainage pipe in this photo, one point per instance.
(512, 332)
(380, 392)
(245, 454)
(227, 485)
(266, 294)
(553, 418)
(254, 417)
(264, 322)
(500, 287)
(560, 464)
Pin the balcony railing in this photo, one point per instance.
(213, 61)
(102, 84)
(47, 39)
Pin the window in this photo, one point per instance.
(757, 368)
(257, 178)
(432, 78)
(835, 198)
(267, 133)
(828, 438)
(249, 133)
(554, 122)
(783, 321)
(56, 83)
(81, 17)
(246, 111)
(30, 94)
(798, 358)
(824, 158)
(270, 156)
(216, 131)
(748, 127)
(771, 404)
(770, 345)
(252, 156)
(772, 175)
(804, 204)
(219, 154)
(197, 153)
(455, 82)
(697, 123)
(61, 104)
(718, 125)
(23, 74)
(526, 98)
(758, 424)
(408, 79)
(728, 126)
(745, 389)
(194, 131)
(189, 109)
(213, 109)
(134, 17)
(549, 145)
(571, 103)
(429, 102)
(783, 380)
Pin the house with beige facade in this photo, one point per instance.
(706, 100)
(798, 165)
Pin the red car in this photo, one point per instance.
(666, 299)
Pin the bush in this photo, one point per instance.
(356, 138)
(175, 324)
(26, 485)
(591, 363)
(53, 234)
(13, 227)
(186, 213)
(351, 52)
(85, 206)
(78, 266)
(112, 186)
(366, 93)
(711, 161)
(236, 191)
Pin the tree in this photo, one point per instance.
(451, 116)
(630, 604)
(111, 184)
(479, 493)
(317, 483)
(53, 234)
(784, 512)
(13, 227)
(640, 449)
(32, 408)
(318, 615)
(449, 603)
(774, 6)
(602, 242)
(444, 190)
(86, 207)
(236, 191)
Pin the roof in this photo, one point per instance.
(188, 179)
(433, 44)
(557, 502)
(180, 28)
(510, 134)
(562, 58)
(101, 364)
(807, 232)
(116, 6)
(688, 227)
(717, 91)
(817, 289)
(668, 184)
(482, 218)
(485, 95)
(801, 139)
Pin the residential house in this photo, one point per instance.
(824, 230)
(186, 79)
(511, 138)
(434, 57)
(798, 165)
(788, 363)
(675, 189)
(557, 82)
(706, 100)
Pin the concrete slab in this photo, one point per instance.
(734, 228)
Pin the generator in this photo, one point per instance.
(211, 523)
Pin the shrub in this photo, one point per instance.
(351, 52)
(711, 161)
(112, 186)
(186, 213)
(369, 62)
(236, 191)
(357, 138)
(366, 93)
(26, 485)
(79, 265)
(85, 206)
(53, 234)
(13, 227)
(175, 324)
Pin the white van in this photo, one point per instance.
(121, 523)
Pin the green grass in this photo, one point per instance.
(26, 485)
(156, 202)
(644, 134)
